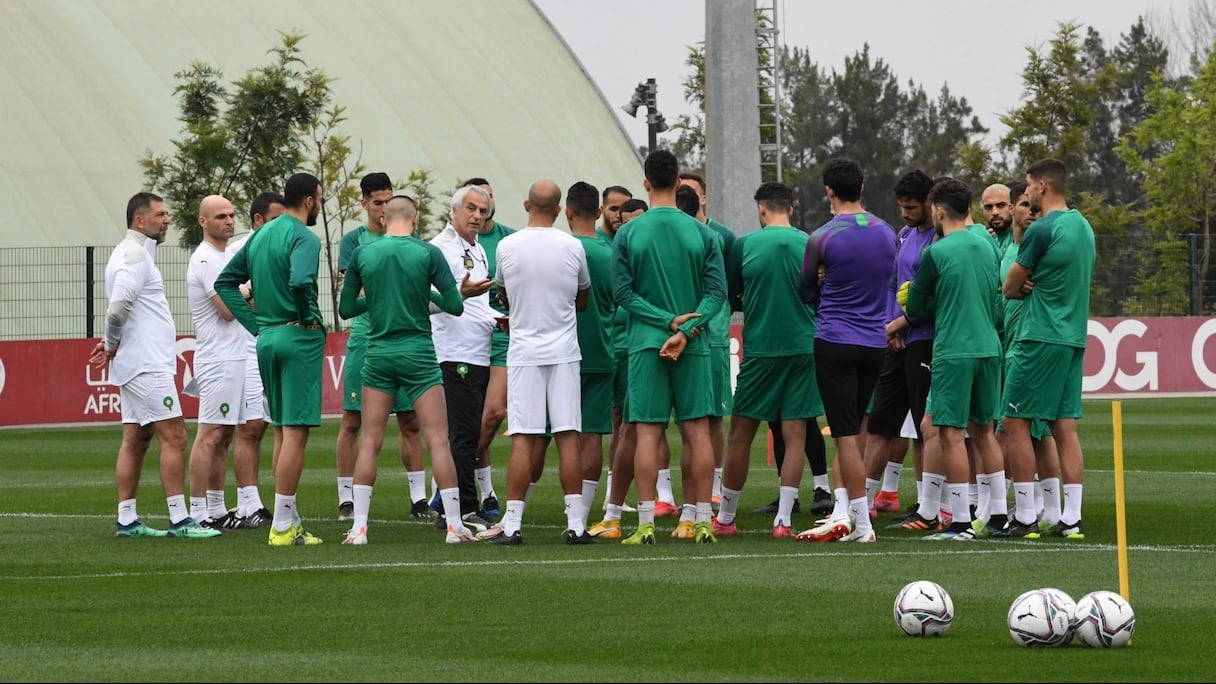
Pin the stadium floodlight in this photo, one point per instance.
(645, 96)
(638, 100)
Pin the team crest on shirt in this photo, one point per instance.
(353, 396)
(224, 407)
(462, 370)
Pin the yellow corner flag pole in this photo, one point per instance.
(1116, 410)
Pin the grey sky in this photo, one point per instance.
(977, 47)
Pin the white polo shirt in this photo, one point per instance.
(542, 270)
(149, 338)
(464, 338)
(251, 342)
(218, 339)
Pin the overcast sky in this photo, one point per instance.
(978, 48)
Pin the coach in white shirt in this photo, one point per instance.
(140, 348)
(542, 272)
(462, 343)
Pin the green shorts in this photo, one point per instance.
(657, 387)
(404, 376)
(1043, 381)
(772, 387)
(352, 378)
(289, 359)
(499, 341)
(719, 359)
(620, 378)
(597, 402)
(1038, 427)
(965, 390)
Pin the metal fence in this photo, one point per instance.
(59, 292)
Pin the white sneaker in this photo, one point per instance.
(460, 536)
(490, 533)
(356, 537)
(828, 531)
(866, 537)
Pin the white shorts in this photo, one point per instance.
(221, 391)
(535, 393)
(150, 398)
(255, 394)
(908, 429)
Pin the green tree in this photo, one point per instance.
(1175, 149)
(239, 142)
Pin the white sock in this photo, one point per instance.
(821, 482)
(998, 502)
(248, 500)
(417, 480)
(177, 508)
(931, 503)
(1023, 502)
(1072, 504)
(890, 476)
(664, 485)
(589, 488)
(346, 489)
(983, 502)
(1038, 496)
(958, 498)
(528, 493)
(729, 507)
(785, 506)
(945, 501)
(513, 517)
(216, 506)
(450, 498)
(920, 488)
(1051, 500)
(126, 512)
(484, 482)
(607, 488)
(612, 512)
(871, 490)
(973, 493)
(840, 509)
(717, 491)
(688, 512)
(575, 517)
(363, 505)
(284, 512)
(198, 507)
(705, 512)
(645, 512)
(860, 509)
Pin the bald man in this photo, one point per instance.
(219, 367)
(543, 280)
(998, 214)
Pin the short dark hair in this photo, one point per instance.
(844, 177)
(375, 182)
(687, 200)
(915, 185)
(619, 189)
(693, 176)
(139, 203)
(582, 199)
(298, 188)
(662, 170)
(1016, 190)
(475, 180)
(775, 196)
(261, 204)
(952, 195)
(1050, 171)
(634, 204)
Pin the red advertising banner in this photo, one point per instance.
(51, 381)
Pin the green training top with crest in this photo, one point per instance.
(762, 277)
(281, 261)
(595, 322)
(1058, 250)
(955, 283)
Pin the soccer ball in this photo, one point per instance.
(1104, 620)
(1041, 617)
(923, 608)
(1064, 602)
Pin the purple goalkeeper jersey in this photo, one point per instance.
(857, 252)
(910, 244)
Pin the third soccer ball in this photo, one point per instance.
(1104, 620)
(923, 608)
(1041, 617)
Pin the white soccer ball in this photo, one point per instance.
(1065, 603)
(923, 608)
(1040, 617)
(1103, 619)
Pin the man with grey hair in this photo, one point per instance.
(462, 343)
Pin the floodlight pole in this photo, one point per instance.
(652, 115)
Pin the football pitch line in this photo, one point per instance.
(936, 550)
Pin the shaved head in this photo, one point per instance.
(998, 210)
(212, 204)
(217, 218)
(544, 195)
(400, 207)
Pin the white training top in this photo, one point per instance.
(149, 338)
(218, 339)
(251, 342)
(464, 338)
(542, 270)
